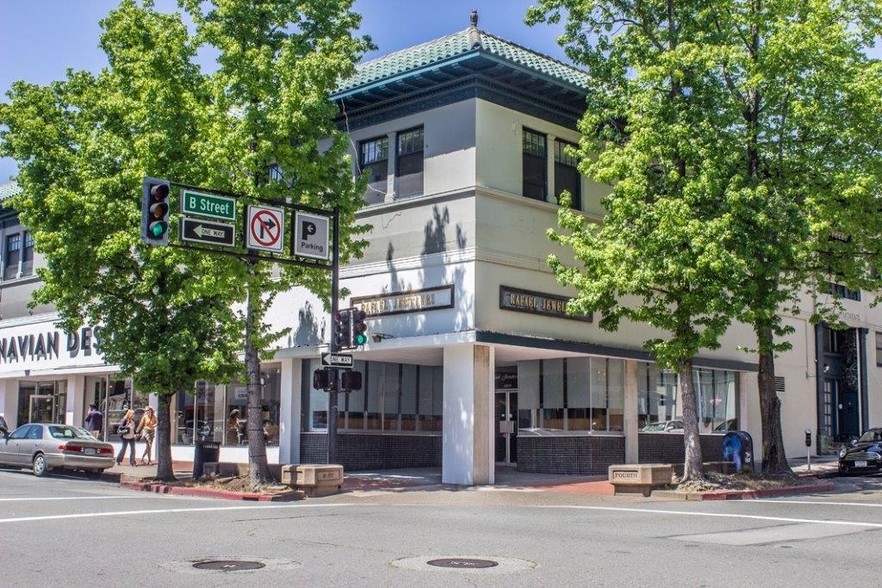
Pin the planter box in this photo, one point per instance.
(314, 479)
(639, 477)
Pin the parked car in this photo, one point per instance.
(47, 446)
(864, 455)
(663, 426)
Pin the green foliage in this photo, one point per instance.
(741, 139)
(83, 146)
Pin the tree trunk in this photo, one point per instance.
(164, 469)
(258, 469)
(692, 467)
(774, 459)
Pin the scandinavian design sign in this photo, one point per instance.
(311, 235)
(265, 227)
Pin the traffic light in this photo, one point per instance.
(359, 328)
(350, 380)
(342, 335)
(154, 211)
(321, 379)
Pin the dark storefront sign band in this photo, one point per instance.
(538, 303)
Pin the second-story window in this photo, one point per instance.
(566, 174)
(534, 162)
(409, 165)
(13, 256)
(374, 161)
(27, 255)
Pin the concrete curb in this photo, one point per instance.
(160, 488)
(744, 494)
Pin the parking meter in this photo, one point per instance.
(808, 451)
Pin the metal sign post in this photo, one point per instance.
(335, 376)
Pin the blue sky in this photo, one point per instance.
(41, 39)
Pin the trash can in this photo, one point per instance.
(738, 449)
(204, 452)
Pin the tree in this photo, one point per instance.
(83, 146)
(783, 110)
(269, 132)
(659, 257)
(261, 124)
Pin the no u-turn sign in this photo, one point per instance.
(311, 235)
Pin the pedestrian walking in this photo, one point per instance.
(126, 431)
(147, 430)
(95, 421)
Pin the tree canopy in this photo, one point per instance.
(261, 124)
(753, 123)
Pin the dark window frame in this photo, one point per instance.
(566, 173)
(373, 159)
(534, 157)
(410, 161)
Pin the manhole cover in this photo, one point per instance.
(228, 565)
(462, 563)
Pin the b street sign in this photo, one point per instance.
(202, 231)
(337, 359)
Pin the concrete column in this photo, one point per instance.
(290, 411)
(74, 400)
(467, 441)
(632, 449)
(390, 167)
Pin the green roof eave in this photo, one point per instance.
(435, 66)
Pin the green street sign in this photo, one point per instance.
(211, 205)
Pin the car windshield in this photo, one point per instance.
(68, 432)
(871, 436)
(655, 427)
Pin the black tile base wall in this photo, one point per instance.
(587, 456)
(669, 448)
(374, 452)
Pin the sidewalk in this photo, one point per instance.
(506, 479)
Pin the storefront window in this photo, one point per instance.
(394, 397)
(572, 394)
(658, 403)
(113, 398)
(42, 402)
(214, 412)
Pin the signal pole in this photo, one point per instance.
(335, 304)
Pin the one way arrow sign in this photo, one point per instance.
(201, 231)
(337, 359)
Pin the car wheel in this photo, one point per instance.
(93, 474)
(40, 466)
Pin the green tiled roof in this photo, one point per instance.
(455, 46)
(8, 190)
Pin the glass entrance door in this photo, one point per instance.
(41, 409)
(506, 427)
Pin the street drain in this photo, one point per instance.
(462, 563)
(228, 565)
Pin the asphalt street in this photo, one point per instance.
(67, 530)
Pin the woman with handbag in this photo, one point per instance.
(126, 432)
(147, 430)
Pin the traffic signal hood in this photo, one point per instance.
(155, 211)
(342, 329)
(350, 380)
(359, 328)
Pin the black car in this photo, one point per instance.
(863, 455)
